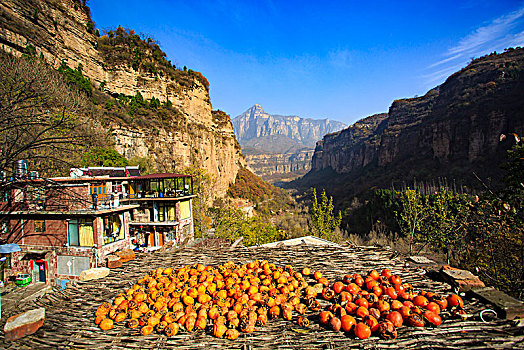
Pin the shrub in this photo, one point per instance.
(76, 78)
(249, 186)
(232, 224)
(323, 220)
(104, 157)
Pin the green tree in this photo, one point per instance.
(145, 164)
(29, 51)
(136, 102)
(412, 214)
(137, 59)
(154, 103)
(323, 220)
(514, 167)
(75, 77)
(495, 241)
(445, 229)
(110, 104)
(495, 244)
(104, 157)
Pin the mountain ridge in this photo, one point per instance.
(255, 122)
(452, 131)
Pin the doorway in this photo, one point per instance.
(39, 271)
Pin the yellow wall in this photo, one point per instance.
(185, 210)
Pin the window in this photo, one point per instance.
(166, 212)
(112, 228)
(161, 212)
(5, 228)
(35, 198)
(171, 235)
(4, 196)
(80, 233)
(39, 225)
(99, 190)
(117, 186)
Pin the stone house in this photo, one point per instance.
(64, 226)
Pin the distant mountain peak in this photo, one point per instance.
(278, 133)
(254, 111)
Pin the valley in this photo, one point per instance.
(438, 174)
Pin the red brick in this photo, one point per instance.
(126, 255)
(462, 279)
(113, 262)
(465, 285)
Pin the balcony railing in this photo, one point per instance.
(63, 204)
(154, 194)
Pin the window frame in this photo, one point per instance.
(5, 227)
(163, 212)
(39, 226)
(106, 236)
(79, 222)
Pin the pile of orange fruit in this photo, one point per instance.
(381, 303)
(229, 299)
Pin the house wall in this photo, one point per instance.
(55, 234)
(22, 262)
(185, 229)
(178, 233)
(54, 242)
(72, 197)
(104, 250)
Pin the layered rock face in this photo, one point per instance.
(453, 131)
(277, 167)
(60, 31)
(279, 148)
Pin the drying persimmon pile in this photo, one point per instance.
(230, 299)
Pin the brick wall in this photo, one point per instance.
(55, 234)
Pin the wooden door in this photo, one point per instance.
(151, 239)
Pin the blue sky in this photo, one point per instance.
(341, 60)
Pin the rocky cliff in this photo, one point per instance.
(122, 63)
(279, 148)
(453, 131)
(350, 148)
